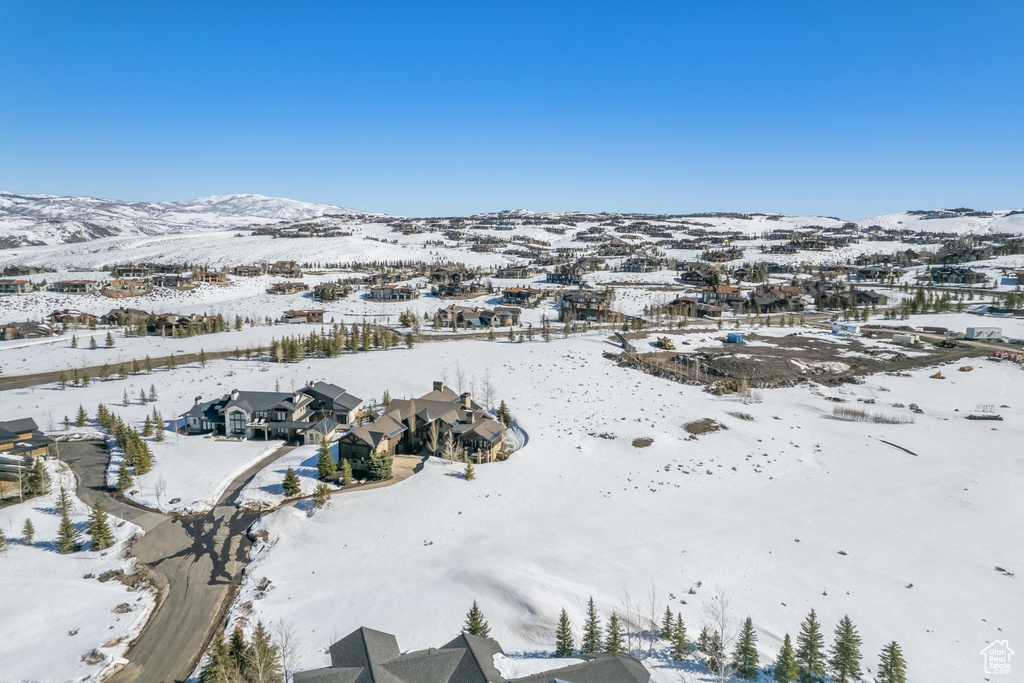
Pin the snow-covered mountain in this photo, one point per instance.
(49, 219)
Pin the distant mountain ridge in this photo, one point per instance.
(27, 220)
(42, 219)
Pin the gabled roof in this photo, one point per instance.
(20, 426)
(603, 668)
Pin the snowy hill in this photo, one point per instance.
(48, 219)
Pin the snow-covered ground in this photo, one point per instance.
(266, 488)
(54, 603)
(193, 472)
(760, 510)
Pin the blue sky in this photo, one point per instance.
(441, 108)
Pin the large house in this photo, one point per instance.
(315, 412)
(368, 656)
(465, 316)
(125, 287)
(26, 330)
(408, 425)
(585, 305)
(281, 288)
(566, 275)
(520, 296)
(393, 293)
(15, 286)
(311, 316)
(76, 286)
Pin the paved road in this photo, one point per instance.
(201, 559)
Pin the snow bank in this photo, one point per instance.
(50, 603)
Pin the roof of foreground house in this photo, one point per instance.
(369, 656)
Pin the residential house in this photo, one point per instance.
(697, 277)
(516, 272)
(330, 291)
(408, 425)
(723, 295)
(772, 298)
(76, 286)
(308, 415)
(953, 275)
(125, 287)
(458, 290)
(501, 316)
(15, 286)
(520, 296)
(463, 316)
(172, 281)
(366, 655)
(280, 288)
(22, 438)
(285, 269)
(313, 316)
(26, 330)
(393, 293)
(124, 316)
(247, 271)
(585, 305)
(130, 271)
(69, 316)
(569, 275)
(445, 276)
(639, 264)
(722, 255)
(212, 277)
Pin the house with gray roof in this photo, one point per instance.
(311, 414)
(369, 656)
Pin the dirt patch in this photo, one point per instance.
(703, 426)
(642, 442)
(746, 417)
(785, 361)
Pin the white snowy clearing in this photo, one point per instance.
(786, 511)
(266, 489)
(55, 601)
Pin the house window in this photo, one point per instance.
(237, 422)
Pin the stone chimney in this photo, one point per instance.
(199, 399)
(438, 386)
(234, 394)
(467, 401)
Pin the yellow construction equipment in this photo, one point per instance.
(665, 343)
(948, 343)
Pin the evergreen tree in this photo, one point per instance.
(99, 530)
(680, 648)
(613, 635)
(744, 657)
(63, 380)
(844, 659)
(28, 533)
(220, 668)
(74, 342)
(476, 625)
(504, 415)
(152, 393)
(92, 343)
(346, 472)
(380, 466)
(110, 340)
(85, 378)
(142, 397)
(124, 478)
(124, 399)
(67, 537)
(3, 542)
(564, 643)
(147, 428)
(64, 503)
(704, 640)
(892, 668)
(591, 630)
(470, 474)
(202, 358)
(715, 652)
(82, 416)
(262, 661)
(158, 425)
(291, 483)
(325, 465)
(38, 479)
(321, 496)
(786, 668)
(666, 625)
(238, 649)
(810, 646)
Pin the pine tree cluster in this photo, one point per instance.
(236, 659)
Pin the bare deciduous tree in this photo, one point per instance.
(460, 377)
(487, 392)
(287, 646)
(433, 437)
(716, 612)
(451, 451)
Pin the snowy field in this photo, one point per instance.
(905, 544)
(266, 489)
(55, 601)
